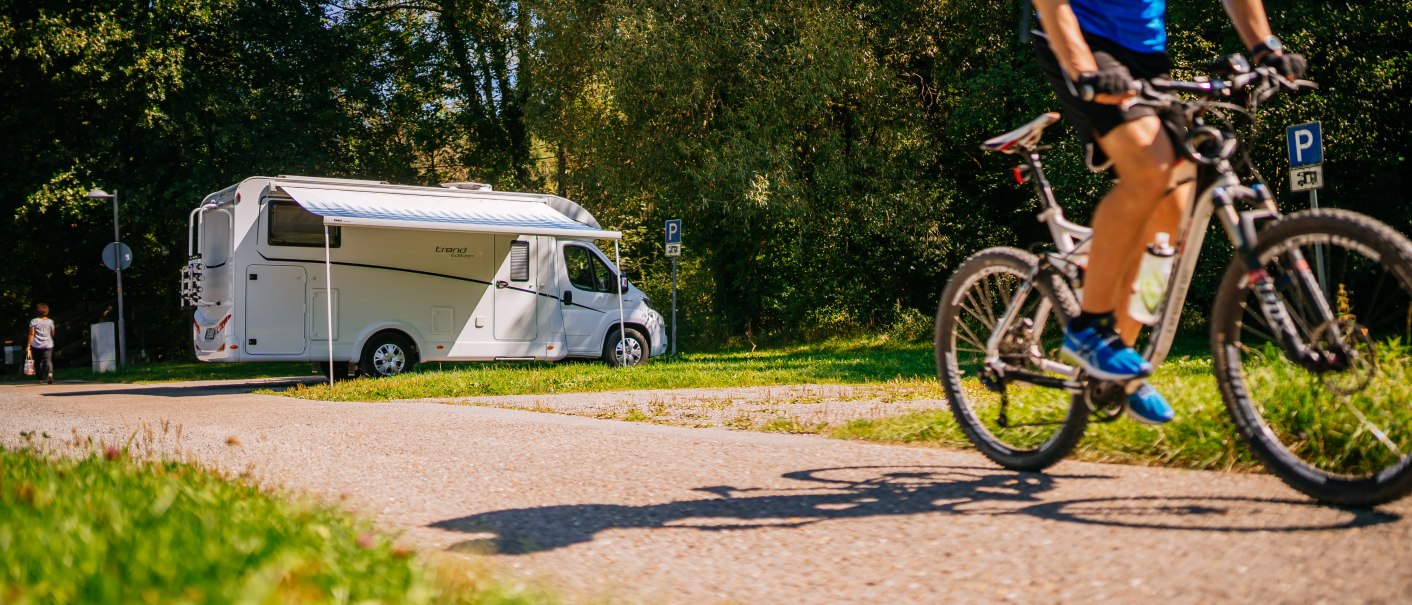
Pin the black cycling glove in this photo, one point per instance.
(1114, 81)
(1289, 65)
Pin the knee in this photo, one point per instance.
(1151, 180)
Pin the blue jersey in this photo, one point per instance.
(1140, 25)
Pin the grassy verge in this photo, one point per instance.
(176, 371)
(1201, 436)
(838, 362)
(108, 529)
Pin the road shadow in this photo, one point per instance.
(854, 492)
(192, 390)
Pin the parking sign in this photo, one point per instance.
(674, 237)
(1305, 144)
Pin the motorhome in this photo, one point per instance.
(370, 277)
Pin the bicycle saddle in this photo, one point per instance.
(1026, 135)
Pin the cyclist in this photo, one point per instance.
(1090, 51)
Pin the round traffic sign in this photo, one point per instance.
(117, 256)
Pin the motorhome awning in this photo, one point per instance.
(441, 213)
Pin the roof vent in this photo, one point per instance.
(468, 186)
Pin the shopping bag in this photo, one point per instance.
(29, 364)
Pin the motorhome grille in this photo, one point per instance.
(519, 261)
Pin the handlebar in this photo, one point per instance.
(1265, 80)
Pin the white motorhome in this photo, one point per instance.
(369, 276)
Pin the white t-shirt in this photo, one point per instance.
(43, 333)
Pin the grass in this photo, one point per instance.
(176, 372)
(1201, 436)
(857, 361)
(110, 529)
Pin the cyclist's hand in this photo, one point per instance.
(1289, 65)
(1109, 86)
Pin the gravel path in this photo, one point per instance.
(640, 512)
(779, 407)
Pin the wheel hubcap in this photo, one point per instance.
(389, 359)
(634, 352)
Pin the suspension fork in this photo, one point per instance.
(1241, 228)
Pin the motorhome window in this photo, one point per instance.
(519, 261)
(292, 225)
(587, 271)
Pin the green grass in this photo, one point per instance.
(858, 361)
(1201, 436)
(177, 372)
(108, 529)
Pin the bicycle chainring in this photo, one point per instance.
(1105, 400)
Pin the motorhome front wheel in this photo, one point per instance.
(628, 351)
(387, 354)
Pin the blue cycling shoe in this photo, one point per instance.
(1147, 406)
(1103, 355)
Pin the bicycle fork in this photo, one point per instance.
(1241, 228)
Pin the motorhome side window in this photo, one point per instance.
(587, 271)
(292, 225)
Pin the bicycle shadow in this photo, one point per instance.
(866, 491)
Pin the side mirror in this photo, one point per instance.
(568, 297)
(622, 285)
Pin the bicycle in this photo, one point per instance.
(1311, 359)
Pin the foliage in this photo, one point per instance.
(108, 529)
(823, 153)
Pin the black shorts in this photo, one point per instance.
(1093, 120)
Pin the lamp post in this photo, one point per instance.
(99, 194)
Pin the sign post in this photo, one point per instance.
(1305, 143)
(674, 251)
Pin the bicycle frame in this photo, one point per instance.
(1217, 191)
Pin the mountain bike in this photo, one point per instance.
(1310, 330)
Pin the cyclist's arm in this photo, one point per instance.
(1249, 19)
(1067, 41)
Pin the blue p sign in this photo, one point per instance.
(674, 231)
(1306, 145)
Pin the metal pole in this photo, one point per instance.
(1319, 248)
(328, 307)
(118, 262)
(674, 307)
(622, 325)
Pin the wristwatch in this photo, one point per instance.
(1270, 45)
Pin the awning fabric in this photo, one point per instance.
(449, 212)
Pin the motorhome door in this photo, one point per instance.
(516, 288)
(274, 309)
(591, 289)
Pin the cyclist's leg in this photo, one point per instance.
(1167, 218)
(1145, 163)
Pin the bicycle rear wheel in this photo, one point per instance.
(1017, 425)
(1340, 435)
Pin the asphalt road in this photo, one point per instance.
(633, 512)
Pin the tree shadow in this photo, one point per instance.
(193, 390)
(870, 491)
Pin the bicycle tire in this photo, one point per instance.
(1013, 447)
(1323, 432)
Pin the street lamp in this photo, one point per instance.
(99, 194)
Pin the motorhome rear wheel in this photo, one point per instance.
(388, 354)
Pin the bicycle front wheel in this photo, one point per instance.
(1340, 432)
(1019, 426)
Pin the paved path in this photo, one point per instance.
(633, 512)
